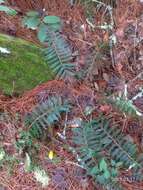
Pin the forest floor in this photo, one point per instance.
(123, 70)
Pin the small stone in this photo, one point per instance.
(4, 50)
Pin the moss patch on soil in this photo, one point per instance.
(23, 68)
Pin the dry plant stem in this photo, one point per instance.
(109, 8)
(111, 44)
(125, 123)
(82, 113)
(73, 163)
(136, 25)
(83, 41)
(72, 186)
(74, 153)
(65, 126)
(135, 78)
(112, 57)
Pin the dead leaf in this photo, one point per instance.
(105, 108)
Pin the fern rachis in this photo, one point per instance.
(96, 139)
(59, 55)
(45, 114)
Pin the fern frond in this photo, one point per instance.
(59, 55)
(88, 157)
(97, 139)
(125, 106)
(101, 137)
(45, 114)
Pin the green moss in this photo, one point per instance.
(23, 68)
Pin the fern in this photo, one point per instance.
(125, 106)
(44, 115)
(97, 139)
(94, 62)
(59, 55)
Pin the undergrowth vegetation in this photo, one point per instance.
(98, 143)
(58, 54)
(45, 115)
(97, 140)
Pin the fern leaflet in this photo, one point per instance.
(97, 139)
(45, 114)
(59, 55)
(125, 106)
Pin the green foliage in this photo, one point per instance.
(2, 154)
(104, 171)
(125, 106)
(39, 174)
(26, 142)
(45, 115)
(28, 163)
(59, 55)
(6, 9)
(27, 146)
(94, 62)
(95, 140)
(51, 20)
(7, 160)
(34, 20)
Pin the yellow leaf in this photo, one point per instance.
(51, 155)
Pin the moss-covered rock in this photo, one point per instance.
(22, 66)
